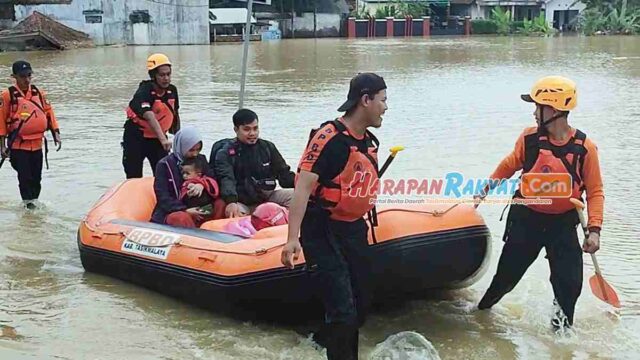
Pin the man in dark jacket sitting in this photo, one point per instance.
(247, 168)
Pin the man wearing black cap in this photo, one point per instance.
(341, 155)
(25, 116)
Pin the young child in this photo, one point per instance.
(193, 173)
(265, 215)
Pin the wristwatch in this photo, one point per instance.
(594, 229)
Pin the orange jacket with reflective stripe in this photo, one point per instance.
(163, 111)
(29, 114)
(352, 193)
(579, 153)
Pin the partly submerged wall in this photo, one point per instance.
(139, 22)
(326, 25)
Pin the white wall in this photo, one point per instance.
(476, 11)
(484, 12)
(326, 25)
(170, 24)
(554, 5)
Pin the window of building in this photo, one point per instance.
(140, 16)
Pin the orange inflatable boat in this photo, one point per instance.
(417, 248)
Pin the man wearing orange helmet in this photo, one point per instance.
(151, 113)
(552, 150)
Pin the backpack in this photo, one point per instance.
(215, 149)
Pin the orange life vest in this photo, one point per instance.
(352, 193)
(27, 116)
(163, 111)
(541, 156)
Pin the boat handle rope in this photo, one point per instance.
(260, 251)
(435, 213)
(103, 199)
(180, 243)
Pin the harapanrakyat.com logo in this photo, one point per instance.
(538, 188)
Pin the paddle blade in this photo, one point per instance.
(603, 291)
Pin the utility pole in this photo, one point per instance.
(315, 23)
(293, 15)
(247, 38)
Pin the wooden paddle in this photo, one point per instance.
(599, 286)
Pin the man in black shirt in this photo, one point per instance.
(340, 155)
(151, 113)
(247, 168)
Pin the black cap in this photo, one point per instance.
(527, 98)
(363, 83)
(21, 67)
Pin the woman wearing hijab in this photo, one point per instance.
(187, 144)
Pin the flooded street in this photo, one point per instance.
(453, 103)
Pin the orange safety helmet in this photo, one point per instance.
(555, 91)
(156, 60)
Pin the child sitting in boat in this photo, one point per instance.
(193, 173)
(265, 215)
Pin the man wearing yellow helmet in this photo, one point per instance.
(151, 113)
(567, 161)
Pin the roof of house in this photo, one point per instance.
(229, 16)
(34, 2)
(57, 34)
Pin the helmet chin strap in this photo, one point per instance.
(542, 127)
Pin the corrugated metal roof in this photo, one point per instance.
(229, 16)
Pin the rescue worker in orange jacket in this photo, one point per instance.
(552, 152)
(152, 113)
(329, 218)
(25, 116)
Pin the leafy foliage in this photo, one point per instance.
(610, 17)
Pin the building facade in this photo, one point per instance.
(132, 22)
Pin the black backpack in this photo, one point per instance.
(217, 146)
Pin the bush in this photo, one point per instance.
(616, 18)
(517, 25)
(623, 21)
(540, 25)
(386, 11)
(484, 27)
(502, 19)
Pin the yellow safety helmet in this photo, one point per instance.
(555, 91)
(157, 60)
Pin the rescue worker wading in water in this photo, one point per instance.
(151, 113)
(25, 116)
(553, 147)
(333, 232)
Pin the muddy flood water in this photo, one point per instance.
(453, 103)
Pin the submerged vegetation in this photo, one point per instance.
(500, 23)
